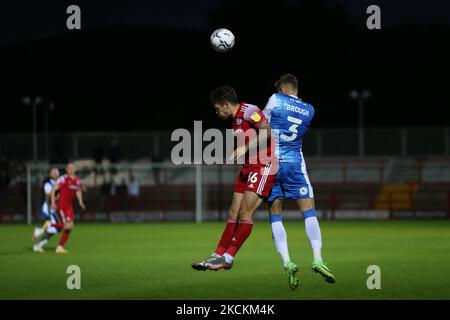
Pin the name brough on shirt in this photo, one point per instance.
(298, 110)
(230, 309)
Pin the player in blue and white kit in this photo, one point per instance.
(290, 118)
(49, 215)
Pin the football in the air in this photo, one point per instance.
(222, 40)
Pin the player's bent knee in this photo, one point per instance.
(245, 213)
(68, 227)
(275, 209)
(233, 214)
(306, 204)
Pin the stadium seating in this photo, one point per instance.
(392, 186)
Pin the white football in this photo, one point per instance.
(222, 40)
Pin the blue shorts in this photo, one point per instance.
(48, 214)
(292, 182)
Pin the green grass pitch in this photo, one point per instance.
(152, 261)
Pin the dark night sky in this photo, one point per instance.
(44, 19)
(25, 20)
(130, 56)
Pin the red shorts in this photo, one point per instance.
(257, 178)
(66, 214)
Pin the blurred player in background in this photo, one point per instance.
(254, 181)
(49, 215)
(69, 186)
(290, 119)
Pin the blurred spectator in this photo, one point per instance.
(114, 151)
(103, 192)
(156, 159)
(112, 202)
(98, 153)
(121, 195)
(105, 188)
(113, 190)
(122, 188)
(133, 192)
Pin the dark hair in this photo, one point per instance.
(288, 79)
(223, 94)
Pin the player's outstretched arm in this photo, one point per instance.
(53, 197)
(264, 134)
(80, 199)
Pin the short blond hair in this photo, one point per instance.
(287, 79)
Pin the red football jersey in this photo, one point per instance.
(249, 116)
(67, 190)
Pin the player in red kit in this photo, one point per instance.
(69, 186)
(255, 180)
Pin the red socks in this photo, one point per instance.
(227, 235)
(58, 225)
(242, 233)
(64, 237)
